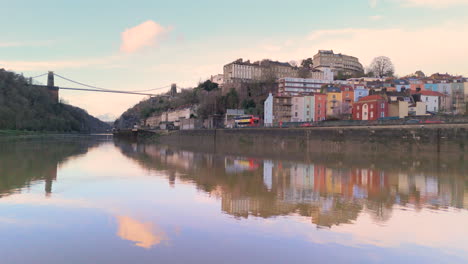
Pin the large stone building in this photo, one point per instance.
(300, 86)
(245, 71)
(338, 63)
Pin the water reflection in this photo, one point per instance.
(145, 235)
(121, 202)
(329, 191)
(25, 163)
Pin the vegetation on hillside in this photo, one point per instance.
(23, 107)
(208, 98)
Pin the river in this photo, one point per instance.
(102, 201)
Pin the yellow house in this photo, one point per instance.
(334, 101)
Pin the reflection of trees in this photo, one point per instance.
(331, 191)
(24, 162)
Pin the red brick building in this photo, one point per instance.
(371, 107)
(320, 107)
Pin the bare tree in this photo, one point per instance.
(293, 63)
(382, 67)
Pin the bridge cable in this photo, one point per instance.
(86, 85)
(94, 87)
(39, 76)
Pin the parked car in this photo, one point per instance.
(306, 125)
(433, 122)
(413, 121)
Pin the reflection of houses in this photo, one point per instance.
(241, 206)
(330, 211)
(237, 165)
(300, 188)
(330, 192)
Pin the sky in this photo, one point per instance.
(146, 44)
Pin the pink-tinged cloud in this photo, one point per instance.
(145, 35)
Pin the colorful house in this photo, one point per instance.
(416, 84)
(360, 92)
(431, 86)
(371, 107)
(320, 107)
(309, 108)
(401, 85)
(334, 99)
(347, 96)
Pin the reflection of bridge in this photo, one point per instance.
(54, 90)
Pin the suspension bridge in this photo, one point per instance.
(54, 90)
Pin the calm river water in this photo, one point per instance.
(98, 202)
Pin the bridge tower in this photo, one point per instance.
(50, 79)
(173, 90)
(53, 91)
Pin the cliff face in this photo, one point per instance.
(25, 107)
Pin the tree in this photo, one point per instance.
(208, 86)
(231, 100)
(293, 63)
(382, 67)
(307, 63)
(304, 73)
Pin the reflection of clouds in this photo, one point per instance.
(145, 235)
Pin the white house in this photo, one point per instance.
(432, 100)
(268, 111)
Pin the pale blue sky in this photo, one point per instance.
(194, 39)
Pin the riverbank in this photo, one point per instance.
(19, 135)
(422, 140)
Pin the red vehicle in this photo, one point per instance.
(433, 122)
(306, 125)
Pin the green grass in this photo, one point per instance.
(18, 133)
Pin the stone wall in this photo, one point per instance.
(448, 141)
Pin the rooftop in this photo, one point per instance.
(374, 97)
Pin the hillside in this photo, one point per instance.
(23, 107)
(207, 96)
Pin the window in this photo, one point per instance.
(382, 106)
(308, 112)
(371, 114)
(334, 96)
(358, 115)
(382, 114)
(296, 114)
(358, 107)
(372, 106)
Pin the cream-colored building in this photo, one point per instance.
(347, 65)
(174, 116)
(245, 71)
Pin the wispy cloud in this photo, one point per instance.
(145, 35)
(10, 44)
(20, 65)
(373, 3)
(432, 3)
(376, 17)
